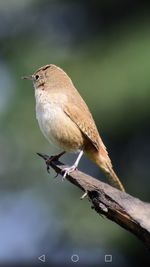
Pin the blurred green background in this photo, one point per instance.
(105, 47)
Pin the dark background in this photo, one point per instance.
(105, 47)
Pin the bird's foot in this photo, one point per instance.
(52, 158)
(68, 170)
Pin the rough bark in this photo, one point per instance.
(127, 211)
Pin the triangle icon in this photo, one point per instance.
(42, 258)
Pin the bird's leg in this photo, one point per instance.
(68, 170)
(53, 158)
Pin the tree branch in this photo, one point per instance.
(127, 211)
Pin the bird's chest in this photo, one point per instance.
(49, 116)
(56, 126)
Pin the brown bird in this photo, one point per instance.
(65, 120)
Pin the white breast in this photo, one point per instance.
(49, 115)
(58, 128)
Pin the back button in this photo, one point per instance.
(42, 258)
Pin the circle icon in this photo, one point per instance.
(75, 258)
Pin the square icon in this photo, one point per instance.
(108, 258)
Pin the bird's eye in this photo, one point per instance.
(37, 77)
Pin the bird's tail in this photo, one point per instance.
(102, 159)
(114, 180)
(106, 166)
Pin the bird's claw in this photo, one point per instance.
(56, 175)
(48, 161)
(47, 167)
(68, 170)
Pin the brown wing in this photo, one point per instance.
(83, 119)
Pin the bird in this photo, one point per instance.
(66, 121)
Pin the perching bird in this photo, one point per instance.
(65, 120)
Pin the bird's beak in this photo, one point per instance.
(30, 77)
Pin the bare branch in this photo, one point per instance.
(127, 211)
